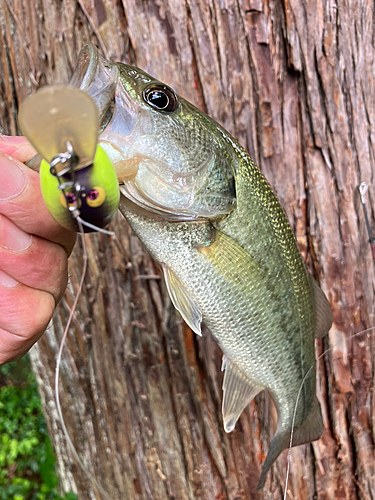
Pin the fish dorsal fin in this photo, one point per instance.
(182, 300)
(323, 312)
(238, 392)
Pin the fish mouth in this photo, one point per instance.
(169, 196)
(145, 181)
(155, 181)
(98, 78)
(131, 191)
(88, 60)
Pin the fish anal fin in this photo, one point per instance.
(310, 430)
(239, 390)
(323, 312)
(182, 300)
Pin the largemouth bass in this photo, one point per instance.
(206, 214)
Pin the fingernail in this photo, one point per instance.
(7, 281)
(13, 139)
(12, 237)
(12, 179)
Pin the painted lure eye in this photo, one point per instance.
(161, 98)
(70, 198)
(96, 197)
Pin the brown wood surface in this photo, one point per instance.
(294, 81)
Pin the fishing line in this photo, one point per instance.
(95, 228)
(81, 178)
(58, 362)
(295, 407)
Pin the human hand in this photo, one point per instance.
(34, 251)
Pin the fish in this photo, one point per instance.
(209, 218)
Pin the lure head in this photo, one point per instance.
(171, 158)
(77, 178)
(93, 190)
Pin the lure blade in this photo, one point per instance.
(59, 114)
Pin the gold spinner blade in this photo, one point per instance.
(57, 115)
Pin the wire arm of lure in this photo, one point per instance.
(72, 160)
(69, 156)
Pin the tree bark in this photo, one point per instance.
(294, 82)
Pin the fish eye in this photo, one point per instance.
(161, 97)
(95, 197)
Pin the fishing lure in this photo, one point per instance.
(78, 181)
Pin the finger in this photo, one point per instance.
(14, 347)
(31, 260)
(17, 147)
(24, 315)
(21, 201)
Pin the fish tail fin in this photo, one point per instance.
(279, 443)
(310, 430)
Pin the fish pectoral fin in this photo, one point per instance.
(239, 390)
(323, 312)
(183, 301)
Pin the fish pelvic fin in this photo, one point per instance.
(239, 390)
(310, 430)
(182, 300)
(323, 312)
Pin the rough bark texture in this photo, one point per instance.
(294, 81)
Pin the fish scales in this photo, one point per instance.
(233, 299)
(208, 216)
(278, 256)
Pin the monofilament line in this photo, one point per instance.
(95, 228)
(58, 363)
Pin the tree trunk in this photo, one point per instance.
(294, 81)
